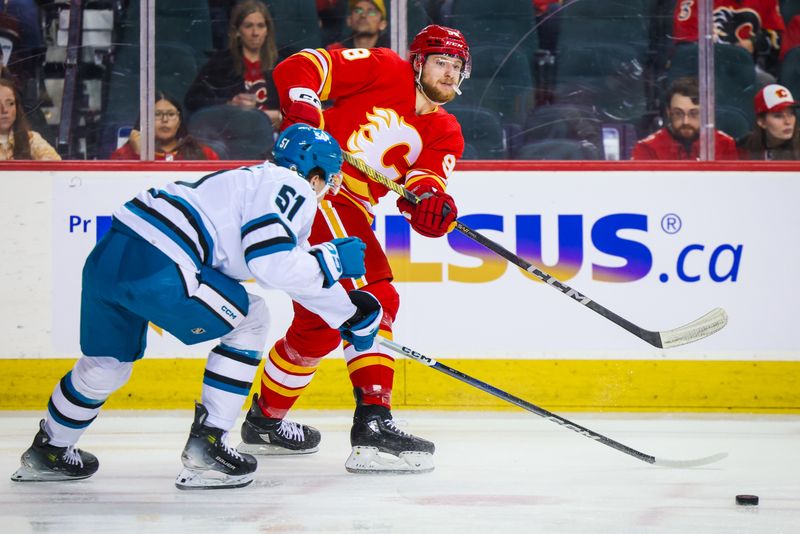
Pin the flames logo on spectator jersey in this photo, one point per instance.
(385, 130)
(732, 25)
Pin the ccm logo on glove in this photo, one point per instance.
(305, 108)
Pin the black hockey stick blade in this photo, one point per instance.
(550, 416)
(698, 329)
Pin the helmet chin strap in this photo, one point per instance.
(323, 192)
(332, 185)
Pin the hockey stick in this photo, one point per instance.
(550, 416)
(700, 328)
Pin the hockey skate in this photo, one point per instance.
(43, 462)
(380, 447)
(209, 463)
(273, 437)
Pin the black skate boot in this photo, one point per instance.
(379, 446)
(209, 463)
(43, 462)
(272, 437)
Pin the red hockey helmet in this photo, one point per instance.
(436, 39)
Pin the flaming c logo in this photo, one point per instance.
(781, 93)
(384, 130)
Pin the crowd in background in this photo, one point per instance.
(549, 86)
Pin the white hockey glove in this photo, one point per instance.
(342, 257)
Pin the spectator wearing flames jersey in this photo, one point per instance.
(755, 25)
(775, 135)
(680, 139)
(387, 112)
(241, 75)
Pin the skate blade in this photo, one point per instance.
(192, 479)
(265, 449)
(28, 474)
(371, 460)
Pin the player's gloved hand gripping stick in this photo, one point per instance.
(433, 215)
(700, 328)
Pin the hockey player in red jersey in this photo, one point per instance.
(388, 112)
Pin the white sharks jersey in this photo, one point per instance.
(251, 222)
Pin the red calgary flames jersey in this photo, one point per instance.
(733, 20)
(374, 117)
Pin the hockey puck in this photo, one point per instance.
(747, 500)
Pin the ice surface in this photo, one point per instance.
(495, 472)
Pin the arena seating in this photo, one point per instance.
(245, 133)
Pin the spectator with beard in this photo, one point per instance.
(367, 21)
(775, 135)
(680, 139)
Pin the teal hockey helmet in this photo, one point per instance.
(303, 149)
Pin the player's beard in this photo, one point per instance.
(436, 94)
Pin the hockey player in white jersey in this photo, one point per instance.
(175, 256)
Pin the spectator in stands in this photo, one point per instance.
(29, 50)
(775, 135)
(755, 25)
(173, 141)
(367, 22)
(680, 139)
(9, 38)
(25, 67)
(241, 75)
(17, 140)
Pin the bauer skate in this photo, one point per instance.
(380, 447)
(276, 437)
(43, 462)
(209, 463)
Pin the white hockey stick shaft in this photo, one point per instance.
(550, 416)
(700, 328)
